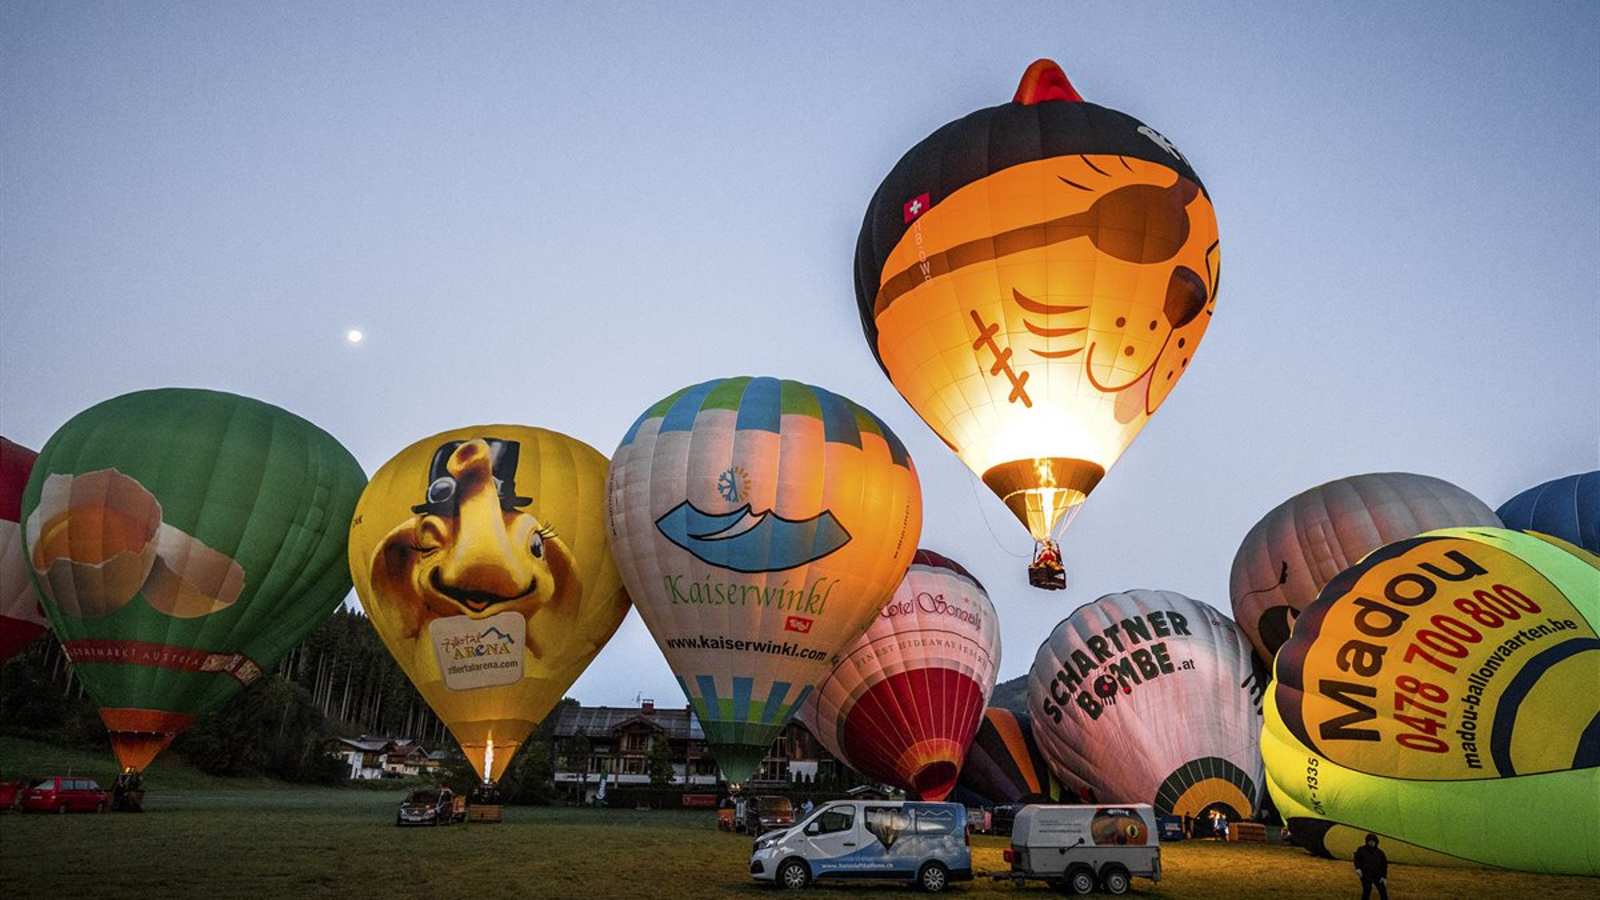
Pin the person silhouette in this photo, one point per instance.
(1373, 867)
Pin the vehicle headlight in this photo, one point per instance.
(765, 843)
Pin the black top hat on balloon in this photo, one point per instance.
(441, 498)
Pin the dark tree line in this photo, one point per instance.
(340, 681)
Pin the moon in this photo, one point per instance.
(354, 336)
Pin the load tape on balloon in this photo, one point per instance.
(1443, 692)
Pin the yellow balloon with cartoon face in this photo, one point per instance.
(481, 556)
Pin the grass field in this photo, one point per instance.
(209, 837)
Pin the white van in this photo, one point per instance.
(924, 843)
(1084, 847)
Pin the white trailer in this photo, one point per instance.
(1082, 848)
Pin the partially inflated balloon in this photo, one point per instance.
(182, 541)
(1568, 508)
(759, 526)
(480, 554)
(904, 702)
(1442, 692)
(1151, 697)
(21, 617)
(1035, 279)
(1004, 763)
(1305, 541)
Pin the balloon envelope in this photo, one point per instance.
(759, 526)
(1151, 697)
(1298, 547)
(1004, 763)
(182, 541)
(1568, 508)
(21, 617)
(480, 555)
(1441, 692)
(1035, 279)
(904, 702)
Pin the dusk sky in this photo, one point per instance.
(557, 215)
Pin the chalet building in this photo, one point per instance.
(611, 745)
(380, 757)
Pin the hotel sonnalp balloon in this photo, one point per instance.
(1035, 278)
(759, 526)
(905, 700)
(480, 554)
(182, 542)
(1305, 541)
(21, 617)
(1442, 693)
(1151, 697)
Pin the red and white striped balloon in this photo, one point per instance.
(903, 703)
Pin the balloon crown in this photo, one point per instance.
(1044, 81)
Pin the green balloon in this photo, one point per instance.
(183, 541)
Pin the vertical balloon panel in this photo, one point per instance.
(759, 524)
(21, 617)
(481, 556)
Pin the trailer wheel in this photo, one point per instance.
(1079, 880)
(1115, 879)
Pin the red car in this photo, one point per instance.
(61, 794)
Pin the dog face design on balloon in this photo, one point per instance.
(472, 548)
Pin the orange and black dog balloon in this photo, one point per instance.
(1035, 278)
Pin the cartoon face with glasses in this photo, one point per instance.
(472, 548)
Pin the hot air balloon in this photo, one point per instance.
(480, 555)
(1568, 508)
(759, 526)
(905, 700)
(21, 617)
(183, 541)
(1151, 697)
(1004, 763)
(1305, 541)
(1442, 693)
(1035, 278)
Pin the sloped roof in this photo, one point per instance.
(679, 724)
(365, 744)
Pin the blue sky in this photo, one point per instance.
(557, 215)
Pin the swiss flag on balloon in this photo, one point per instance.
(914, 207)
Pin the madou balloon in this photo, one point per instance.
(1568, 508)
(1151, 697)
(759, 526)
(182, 541)
(1442, 693)
(904, 702)
(1004, 763)
(480, 554)
(1305, 541)
(21, 617)
(1035, 278)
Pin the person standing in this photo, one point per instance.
(1373, 867)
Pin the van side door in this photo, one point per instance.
(831, 839)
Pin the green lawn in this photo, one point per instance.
(210, 837)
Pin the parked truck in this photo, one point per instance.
(1081, 848)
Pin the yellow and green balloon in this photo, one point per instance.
(1444, 693)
